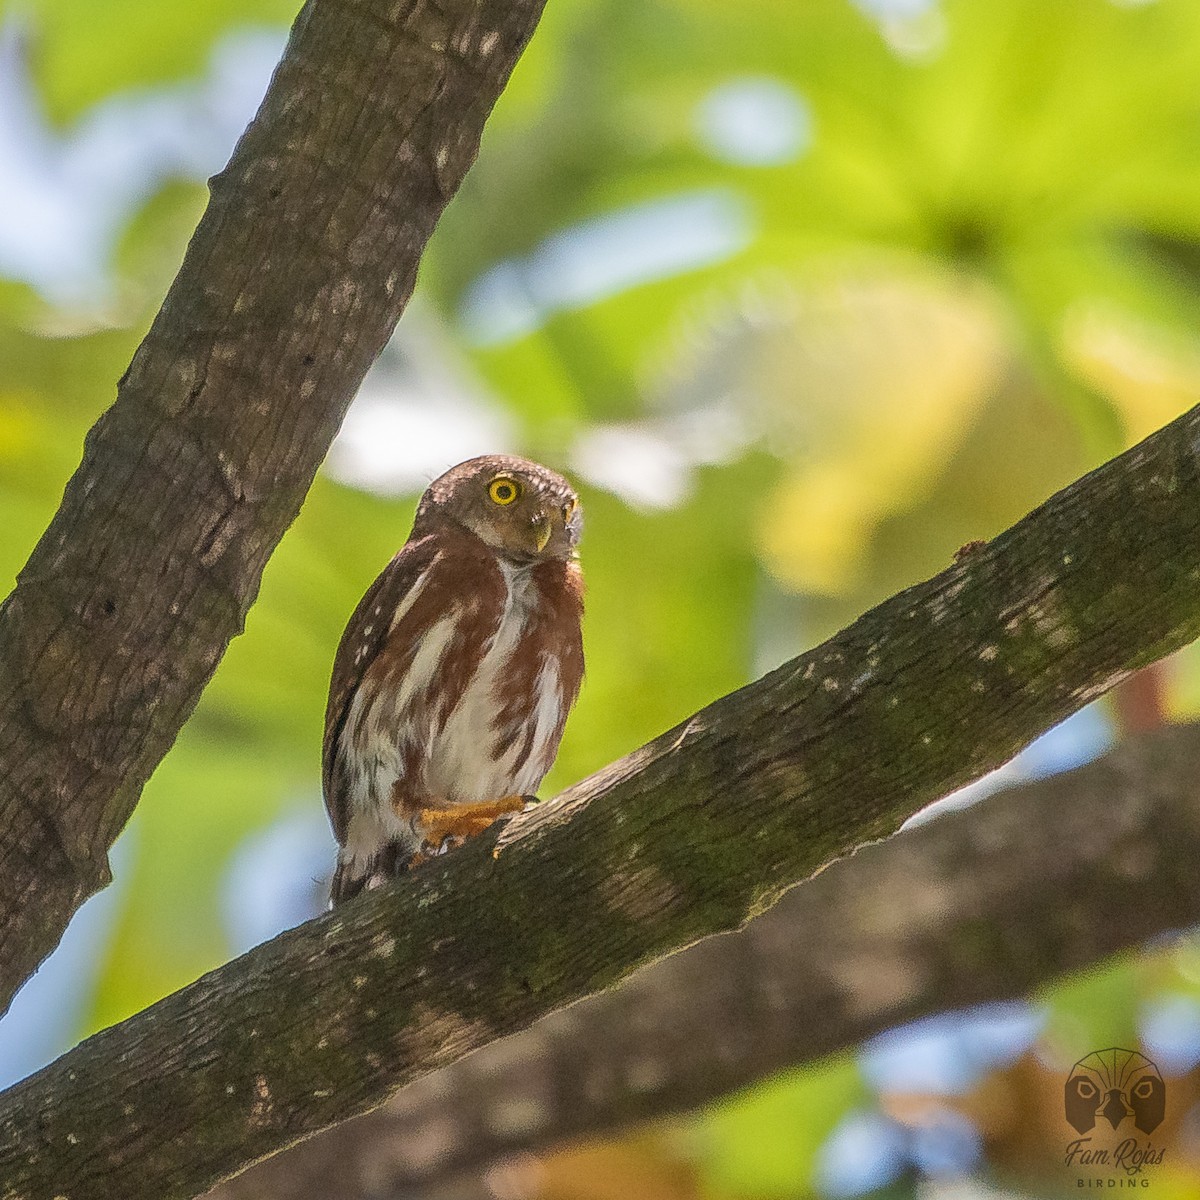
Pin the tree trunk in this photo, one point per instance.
(292, 284)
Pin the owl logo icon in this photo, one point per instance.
(1114, 1085)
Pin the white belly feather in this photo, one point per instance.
(458, 763)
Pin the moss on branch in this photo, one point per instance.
(980, 905)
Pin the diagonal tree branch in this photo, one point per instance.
(694, 833)
(979, 905)
(293, 282)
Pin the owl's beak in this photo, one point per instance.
(555, 528)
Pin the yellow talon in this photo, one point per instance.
(462, 821)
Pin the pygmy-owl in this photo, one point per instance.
(455, 675)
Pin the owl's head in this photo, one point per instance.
(524, 511)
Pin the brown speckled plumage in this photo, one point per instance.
(454, 678)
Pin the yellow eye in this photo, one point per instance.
(503, 491)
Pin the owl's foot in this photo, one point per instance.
(445, 828)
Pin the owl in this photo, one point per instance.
(1115, 1084)
(455, 675)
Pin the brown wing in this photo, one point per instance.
(565, 587)
(358, 649)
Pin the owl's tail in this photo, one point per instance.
(354, 874)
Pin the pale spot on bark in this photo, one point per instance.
(185, 374)
(1087, 694)
(342, 295)
(830, 685)
(488, 43)
(1051, 624)
(439, 1036)
(939, 608)
(260, 1109)
(989, 652)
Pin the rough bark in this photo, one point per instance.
(292, 284)
(692, 834)
(979, 905)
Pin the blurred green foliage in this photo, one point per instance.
(85, 54)
(963, 272)
(764, 1142)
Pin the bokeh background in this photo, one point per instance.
(804, 294)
